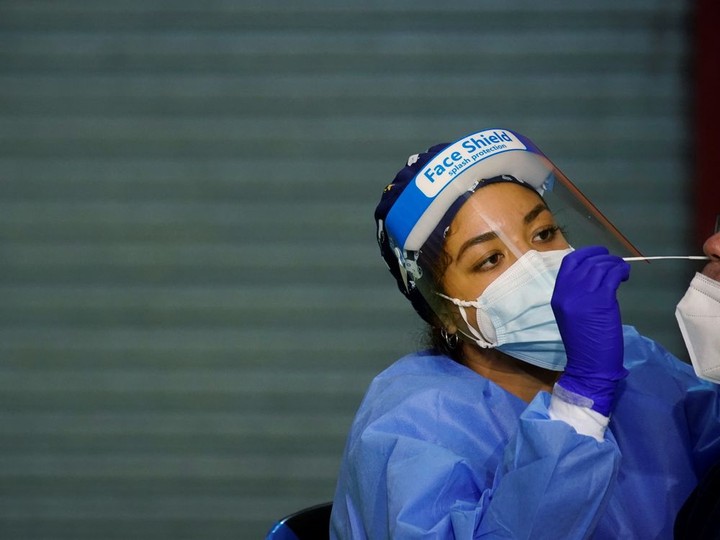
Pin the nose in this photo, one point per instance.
(711, 248)
(517, 248)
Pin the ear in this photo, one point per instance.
(448, 317)
(451, 327)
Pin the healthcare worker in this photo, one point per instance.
(535, 413)
(698, 315)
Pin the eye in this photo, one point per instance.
(488, 263)
(546, 234)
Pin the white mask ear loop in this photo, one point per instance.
(479, 338)
(462, 304)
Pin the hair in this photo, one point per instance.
(434, 260)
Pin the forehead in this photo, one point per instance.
(496, 205)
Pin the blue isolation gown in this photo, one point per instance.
(438, 451)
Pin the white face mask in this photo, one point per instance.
(513, 313)
(698, 315)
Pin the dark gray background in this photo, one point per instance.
(191, 300)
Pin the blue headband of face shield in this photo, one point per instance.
(457, 170)
(459, 167)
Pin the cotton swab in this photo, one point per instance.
(660, 257)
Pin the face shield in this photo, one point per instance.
(480, 231)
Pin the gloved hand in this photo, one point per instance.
(588, 315)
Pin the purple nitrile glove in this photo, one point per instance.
(588, 316)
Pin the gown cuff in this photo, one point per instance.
(582, 418)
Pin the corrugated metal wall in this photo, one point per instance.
(191, 301)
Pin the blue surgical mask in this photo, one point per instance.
(514, 314)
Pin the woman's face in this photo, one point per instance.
(496, 226)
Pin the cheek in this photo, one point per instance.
(470, 314)
(465, 286)
(561, 242)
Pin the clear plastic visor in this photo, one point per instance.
(489, 228)
(479, 206)
(506, 228)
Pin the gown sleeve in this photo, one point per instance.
(677, 385)
(553, 483)
(700, 400)
(548, 482)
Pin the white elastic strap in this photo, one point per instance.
(583, 419)
(479, 338)
(460, 303)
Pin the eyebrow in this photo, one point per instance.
(486, 237)
(534, 213)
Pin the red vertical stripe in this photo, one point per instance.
(707, 117)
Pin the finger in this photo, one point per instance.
(589, 266)
(576, 258)
(617, 274)
(607, 273)
(597, 274)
